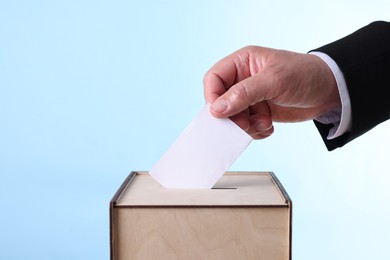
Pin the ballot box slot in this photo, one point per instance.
(223, 188)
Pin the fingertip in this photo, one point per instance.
(263, 126)
(263, 135)
(219, 106)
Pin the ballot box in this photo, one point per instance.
(246, 215)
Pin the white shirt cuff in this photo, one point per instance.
(341, 117)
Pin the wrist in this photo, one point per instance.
(340, 116)
(327, 83)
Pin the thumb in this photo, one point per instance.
(239, 97)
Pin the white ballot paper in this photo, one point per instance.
(201, 154)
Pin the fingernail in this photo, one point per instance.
(261, 127)
(219, 106)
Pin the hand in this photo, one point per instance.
(257, 86)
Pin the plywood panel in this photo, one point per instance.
(196, 233)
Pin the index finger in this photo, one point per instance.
(219, 78)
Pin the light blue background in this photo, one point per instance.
(91, 90)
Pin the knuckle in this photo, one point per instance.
(240, 92)
(207, 76)
(251, 47)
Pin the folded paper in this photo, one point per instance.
(201, 154)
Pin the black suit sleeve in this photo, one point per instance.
(364, 59)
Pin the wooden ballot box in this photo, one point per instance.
(247, 215)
